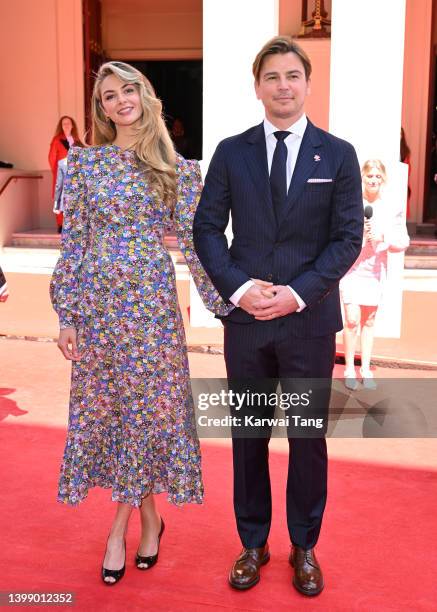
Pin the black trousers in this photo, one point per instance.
(267, 350)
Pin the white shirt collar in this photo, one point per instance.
(298, 127)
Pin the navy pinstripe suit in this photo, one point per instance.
(310, 249)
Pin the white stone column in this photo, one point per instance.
(367, 60)
(233, 33)
(367, 55)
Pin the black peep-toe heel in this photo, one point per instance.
(116, 574)
(148, 562)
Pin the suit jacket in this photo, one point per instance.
(310, 248)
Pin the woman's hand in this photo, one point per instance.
(370, 233)
(67, 344)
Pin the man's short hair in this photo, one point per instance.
(281, 44)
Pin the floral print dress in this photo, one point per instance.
(131, 420)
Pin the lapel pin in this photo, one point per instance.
(317, 158)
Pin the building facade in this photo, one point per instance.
(45, 75)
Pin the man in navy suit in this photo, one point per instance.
(294, 194)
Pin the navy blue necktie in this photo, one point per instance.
(278, 175)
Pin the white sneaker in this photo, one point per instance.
(350, 380)
(368, 381)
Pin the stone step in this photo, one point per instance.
(35, 259)
(39, 238)
(42, 238)
(422, 246)
(420, 262)
(425, 229)
(421, 254)
(47, 239)
(430, 251)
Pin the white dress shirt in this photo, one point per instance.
(293, 142)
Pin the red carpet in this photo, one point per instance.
(378, 546)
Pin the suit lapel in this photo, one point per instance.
(306, 164)
(256, 159)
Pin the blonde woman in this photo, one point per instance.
(362, 286)
(131, 424)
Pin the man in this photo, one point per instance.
(297, 218)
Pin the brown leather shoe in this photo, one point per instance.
(245, 571)
(308, 577)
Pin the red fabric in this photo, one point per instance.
(378, 546)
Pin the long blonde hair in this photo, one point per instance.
(374, 163)
(152, 143)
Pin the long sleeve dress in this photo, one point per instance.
(131, 420)
(364, 283)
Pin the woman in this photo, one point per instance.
(66, 136)
(362, 287)
(131, 424)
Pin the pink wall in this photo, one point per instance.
(42, 78)
(153, 31)
(317, 104)
(17, 212)
(418, 29)
(319, 51)
(290, 15)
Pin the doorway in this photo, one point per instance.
(178, 84)
(430, 208)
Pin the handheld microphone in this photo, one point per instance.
(368, 212)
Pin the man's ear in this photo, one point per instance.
(309, 87)
(255, 86)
